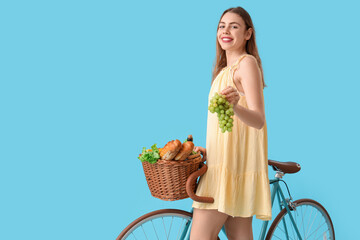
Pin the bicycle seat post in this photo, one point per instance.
(279, 174)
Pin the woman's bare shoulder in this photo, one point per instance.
(247, 66)
(249, 61)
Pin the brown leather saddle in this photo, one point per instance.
(285, 167)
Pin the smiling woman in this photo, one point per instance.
(237, 175)
(239, 26)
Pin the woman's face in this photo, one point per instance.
(232, 33)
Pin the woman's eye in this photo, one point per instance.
(221, 26)
(234, 26)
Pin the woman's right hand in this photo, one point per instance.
(202, 151)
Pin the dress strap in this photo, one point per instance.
(236, 64)
(232, 70)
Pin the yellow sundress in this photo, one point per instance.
(237, 175)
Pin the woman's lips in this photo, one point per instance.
(226, 39)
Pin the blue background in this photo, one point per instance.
(86, 84)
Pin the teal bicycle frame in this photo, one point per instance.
(283, 202)
(276, 190)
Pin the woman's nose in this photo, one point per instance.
(226, 30)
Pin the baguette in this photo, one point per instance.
(170, 150)
(185, 151)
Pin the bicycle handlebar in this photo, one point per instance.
(190, 181)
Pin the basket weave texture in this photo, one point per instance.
(167, 178)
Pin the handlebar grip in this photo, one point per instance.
(190, 181)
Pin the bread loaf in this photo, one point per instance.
(170, 150)
(185, 151)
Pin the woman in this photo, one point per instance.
(237, 176)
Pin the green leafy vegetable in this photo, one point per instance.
(150, 156)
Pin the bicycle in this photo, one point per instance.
(300, 219)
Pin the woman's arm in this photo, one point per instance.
(249, 117)
(250, 78)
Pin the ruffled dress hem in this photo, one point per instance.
(241, 195)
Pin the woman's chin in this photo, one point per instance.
(227, 48)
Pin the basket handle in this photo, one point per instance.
(190, 181)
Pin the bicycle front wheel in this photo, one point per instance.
(160, 224)
(311, 219)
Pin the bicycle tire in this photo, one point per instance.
(149, 217)
(300, 205)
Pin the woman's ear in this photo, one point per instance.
(248, 33)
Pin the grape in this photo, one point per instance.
(224, 110)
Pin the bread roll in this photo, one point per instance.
(169, 151)
(185, 151)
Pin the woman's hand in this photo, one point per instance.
(202, 150)
(231, 94)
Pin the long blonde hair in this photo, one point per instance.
(250, 47)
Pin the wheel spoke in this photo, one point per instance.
(276, 237)
(284, 232)
(144, 232)
(324, 236)
(164, 226)
(310, 218)
(302, 219)
(312, 223)
(172, 218)
(155, 230)
(303, 224)
(182, 222)
(133, 235)
(317, 229)
(307, 229)
(158, 225)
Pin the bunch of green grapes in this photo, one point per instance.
(224, 110)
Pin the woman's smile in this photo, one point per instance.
(226, 39)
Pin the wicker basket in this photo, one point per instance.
(167, 179)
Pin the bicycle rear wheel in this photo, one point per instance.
(160, 224)
(311, 218)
